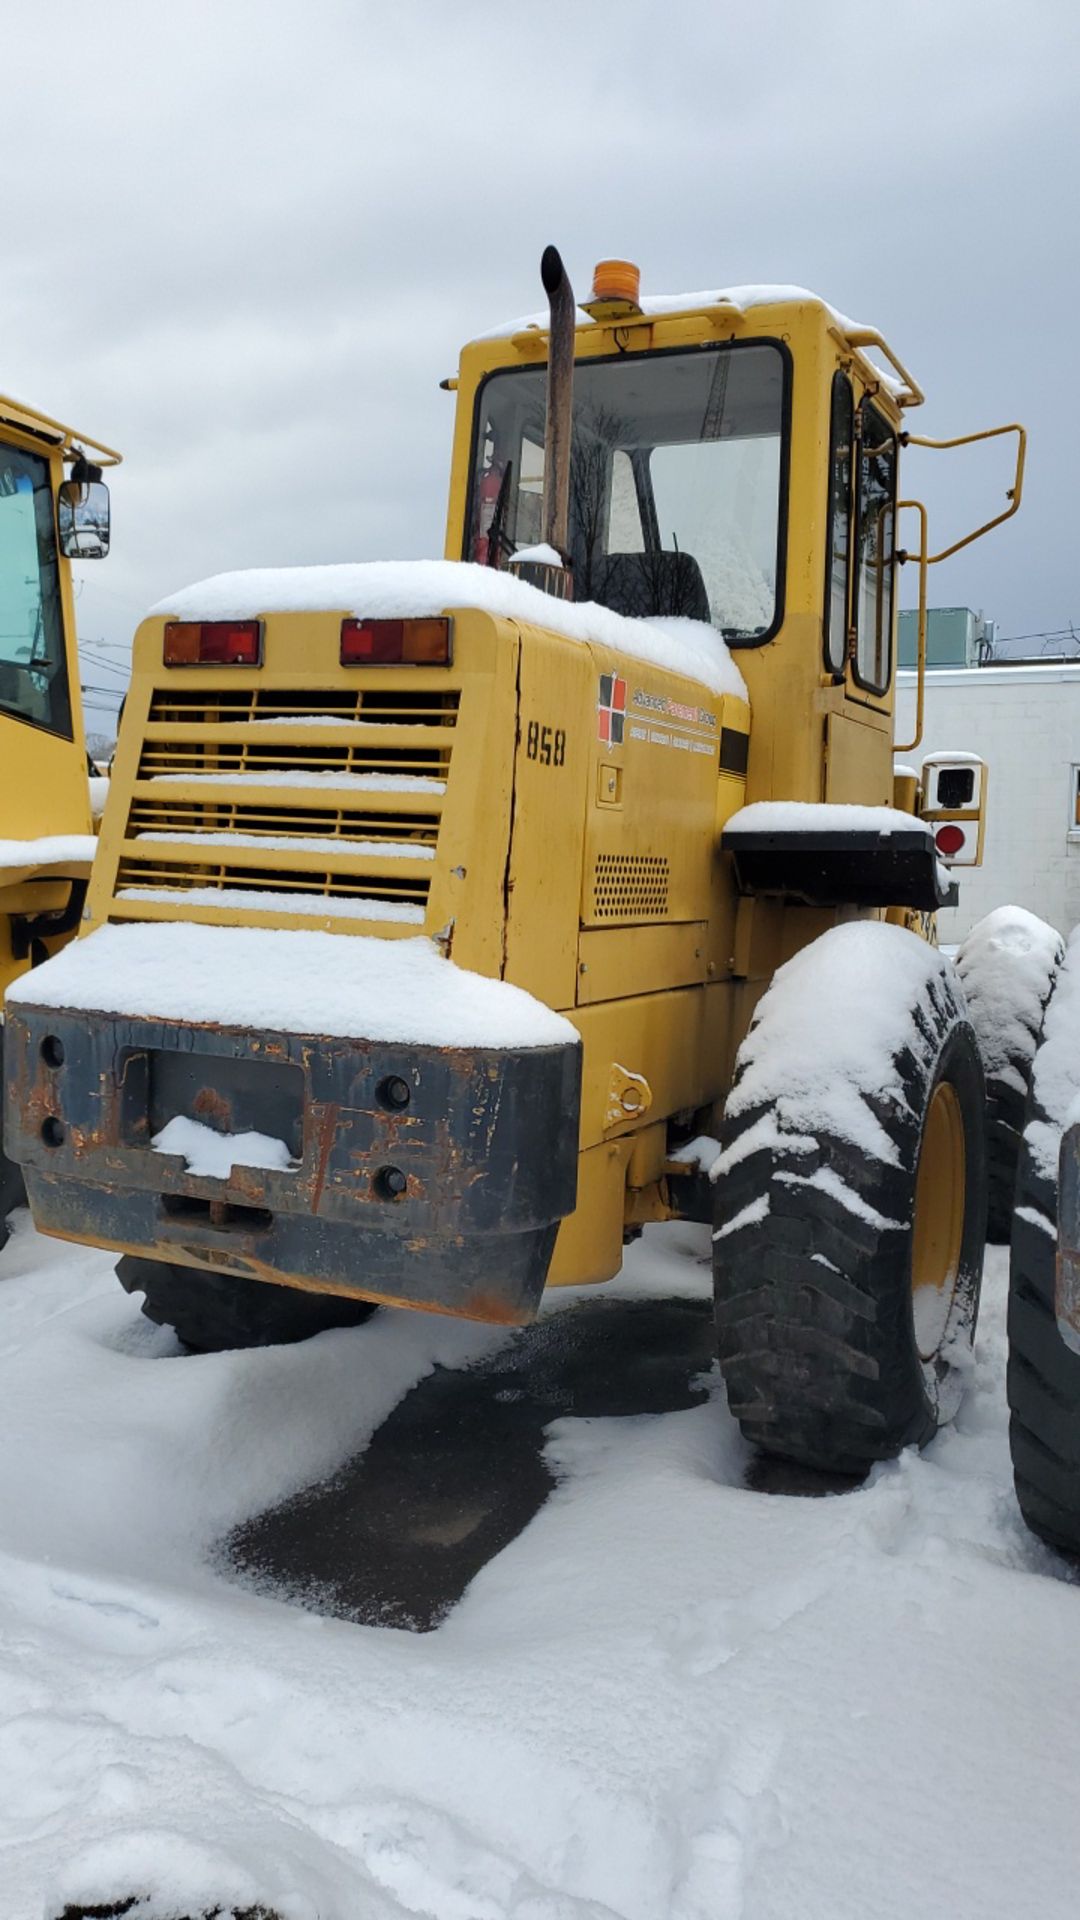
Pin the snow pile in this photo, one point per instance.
(1007, 965)
(960, 755)
(216, 1154)
(401, 589)
(845, 1001)
(99, 793)
(53, 850)
(736, 584)
(351, 720)
(358, 987)
(672, 1695)
(804, 816)
(698, 1155)
(324, 906)
(1055, 1079)
(304, 777)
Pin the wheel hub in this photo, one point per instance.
(938, 1226)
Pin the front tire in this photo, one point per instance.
(851, 1203)
(214, 1313)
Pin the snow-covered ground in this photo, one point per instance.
(671, 1698)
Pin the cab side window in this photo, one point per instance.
(838, 554)
(875, 550)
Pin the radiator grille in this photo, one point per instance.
(630, 886)
(293, 831)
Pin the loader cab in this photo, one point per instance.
(53, 503)
(734, 461)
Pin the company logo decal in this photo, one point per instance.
(673, 709)
(611, 709)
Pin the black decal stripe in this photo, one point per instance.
(734, 750)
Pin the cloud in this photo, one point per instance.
(243, 242)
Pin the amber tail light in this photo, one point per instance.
(396, 643)
(213, 643)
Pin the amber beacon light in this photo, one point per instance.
(616, 290)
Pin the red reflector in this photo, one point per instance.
(409, 643)
(949, 839)
(213, 643)
(367, 643)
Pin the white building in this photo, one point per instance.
(1024, 721)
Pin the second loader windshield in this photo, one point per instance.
(675, 483)
(33, 672)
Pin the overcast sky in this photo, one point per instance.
(243, 243)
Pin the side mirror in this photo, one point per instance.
(82, 515)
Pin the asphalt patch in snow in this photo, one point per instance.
(458, 1469)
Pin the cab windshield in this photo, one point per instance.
(676, 482)
(33, 670)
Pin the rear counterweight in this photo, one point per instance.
(430, 1176)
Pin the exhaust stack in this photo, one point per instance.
(560, 387)
(535, 565)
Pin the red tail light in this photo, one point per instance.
(405, 643)
(949, 839)
(213, 643)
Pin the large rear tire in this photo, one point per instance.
(212, 1313)
(851, 1203)
(1044, 1373)
(1007, 965)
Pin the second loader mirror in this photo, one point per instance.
(83, 519)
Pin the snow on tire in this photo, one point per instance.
(215, 1312)
(1044, 1373)
(851, 1202)
(1007, 964)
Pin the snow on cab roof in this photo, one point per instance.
(400, 589)
(659, 304)
(742, 299)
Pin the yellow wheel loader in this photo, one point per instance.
(453, 921)
(46, 841)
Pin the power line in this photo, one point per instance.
(1049, 633)
(106, 665)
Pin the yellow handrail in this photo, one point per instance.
(31, 421)
(913, 395)
(1013, 494)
